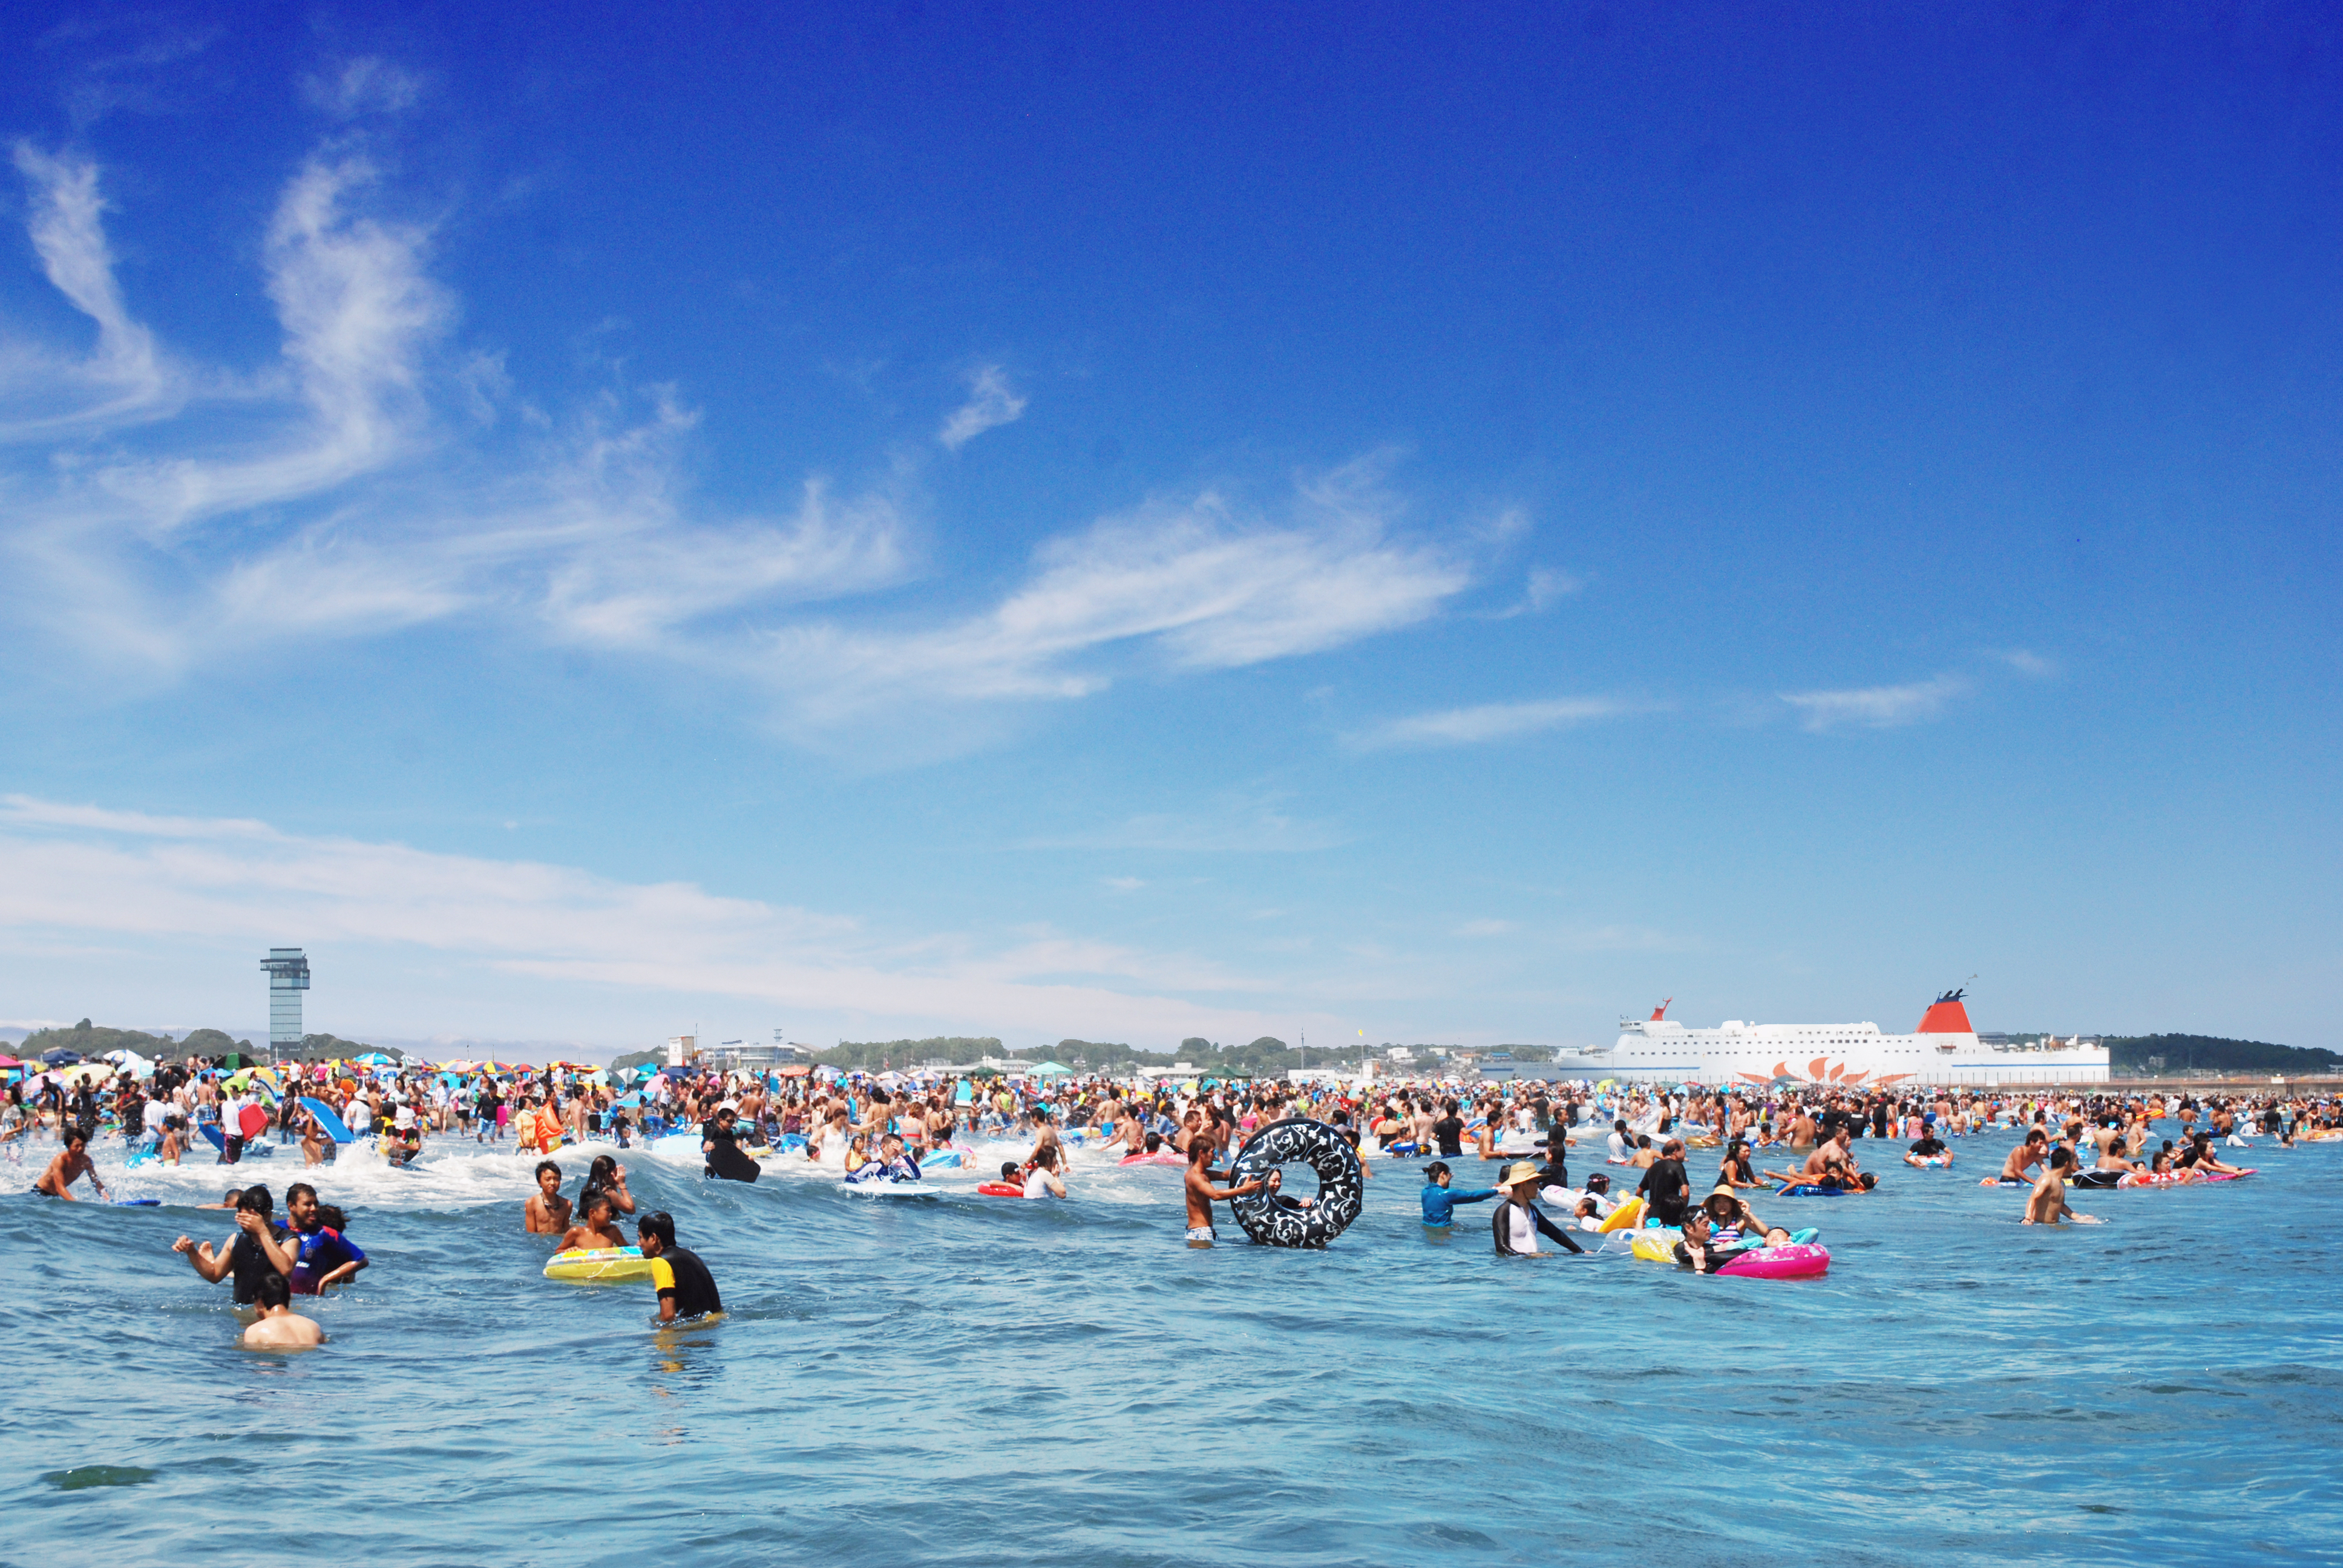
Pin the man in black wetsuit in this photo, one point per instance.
(1665, 1188)
(686, 1288)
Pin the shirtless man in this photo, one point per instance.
(2047, 1205)
(2026, 1156)
(546, 1213)
(1832, 1158)
(279, 1327)
(1203, 1194)
(596, 1228)
(71, 1164)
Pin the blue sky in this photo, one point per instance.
(1024, 521)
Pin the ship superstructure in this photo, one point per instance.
(1944, 1050)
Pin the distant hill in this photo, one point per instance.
(2210, 1053)
(96, 1040)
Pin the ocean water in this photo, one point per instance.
(982, 1381)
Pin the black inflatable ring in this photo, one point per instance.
(1275, 1222)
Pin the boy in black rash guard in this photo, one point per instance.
(686, 1288)
(1666, 1187)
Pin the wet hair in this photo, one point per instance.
(1436, 1168)
(78, 1134)
(296, 1190)
(659, 1224)
(594, 1198)
(544, 1165)
(256, 1199)
(1046, 1157)
(272, 1292)
(603, 1173)
(2061, 1157)
(332, 1218)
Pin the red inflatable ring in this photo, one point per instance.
(999, 1189)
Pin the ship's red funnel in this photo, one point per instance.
(1947, 1016)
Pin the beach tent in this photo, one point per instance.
(1050, 1069)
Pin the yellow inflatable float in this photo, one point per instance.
(598, 1265)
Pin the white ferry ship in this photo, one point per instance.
(1944, 1050)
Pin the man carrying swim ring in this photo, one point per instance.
(685, 1289)
(1203, 1194)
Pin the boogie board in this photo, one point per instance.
(332, 1123)
(252, 1122)
(217, 1140)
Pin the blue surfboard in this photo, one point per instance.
(329, 1120)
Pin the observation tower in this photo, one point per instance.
(288, 977)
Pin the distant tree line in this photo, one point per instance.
(96, 1040)
(2210, 1053)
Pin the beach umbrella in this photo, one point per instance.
(59, 1058)
(373, 1058)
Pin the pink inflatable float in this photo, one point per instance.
(1798, 1261)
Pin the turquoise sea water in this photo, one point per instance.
(979, 1380)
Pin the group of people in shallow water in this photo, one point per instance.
(2067, 1142)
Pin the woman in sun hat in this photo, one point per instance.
(1518, 1221)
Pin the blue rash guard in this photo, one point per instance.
(1438, 1201)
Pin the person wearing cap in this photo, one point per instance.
(1439, 1200)
(1518, 1221)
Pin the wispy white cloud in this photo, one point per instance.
(992, 402)
(366, 85)
(243, 514)
(1200, 586)
(2024, 661)
(124, 377)
(1877, 707)
(1485, 927)
(1236, 825)
(85, 869)
(1491, 721)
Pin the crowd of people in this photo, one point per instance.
(1635, 1143)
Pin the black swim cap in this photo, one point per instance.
(661, 1224)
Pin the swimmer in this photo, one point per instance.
(2047, 1205)
(322, 1255)
(596, 1227)
(686, 1288)
(607, 1175)
(1439, 1200)
(1518, 1222)
(279, 1327)
(1203, 1194)
(1930, 1147)
(246, 1259)
(69, 1165)
(2026, 1156)
(546, 1212)
(1044, 1181)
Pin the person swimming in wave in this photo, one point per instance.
(1046, 1179)
(322, 1254)
(2025, 1157)
(546, 1212)
(68, 1165)
(251, 1255)
(279, 1327)
(685, 1289)
(607, 1175)
(597, 1226)
(894, 1164)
